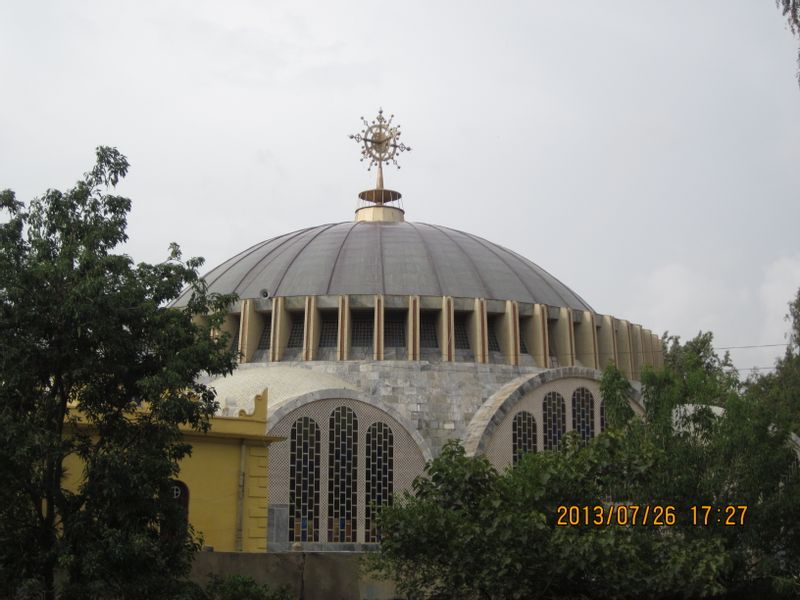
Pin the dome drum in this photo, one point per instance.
(437, 329)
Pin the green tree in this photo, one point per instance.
(468, 532)
(791, 12)
(240, 587)
(94, 365)
(779, 389)
(765, 458)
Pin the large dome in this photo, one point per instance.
(387, 257)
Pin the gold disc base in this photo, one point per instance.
(380, 196)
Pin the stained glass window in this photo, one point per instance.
(583, 413)
(304, 451)
(602, 416)
(380, 475)
(554, 420)
(342, 471)
(523, 435)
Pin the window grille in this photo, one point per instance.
(266, 334)
(380, 475)
(304, 452)
(554, 420)
(602, 415)
(583, 413)
(427, 331)
(491, 334)
(296, 332)
(523, 347)
(523, 435)
(394, 330)
(342, 475)
(460, 331)
(362, 325)
(329, 331)
(235, 342)
(551, 348)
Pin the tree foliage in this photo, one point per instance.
(791, 12)
(95, 367)
(779, 389)
(240, 587)
(467, 531)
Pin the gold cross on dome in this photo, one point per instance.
(380, 143)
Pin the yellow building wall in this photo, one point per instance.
(227, 479)
(219, 492)
(212, 475)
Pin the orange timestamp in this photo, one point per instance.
(657, 515)
(718, 515)
(615, 514)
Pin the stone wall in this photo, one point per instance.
(437, 399)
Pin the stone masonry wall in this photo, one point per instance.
(439, 399)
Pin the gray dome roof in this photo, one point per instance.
(393, 258)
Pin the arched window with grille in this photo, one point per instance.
(583, 413)
(602, 415)
(174, 526)
(342, 475)
(380, 475)
(554, 420)
(523, 435)
(304, 452)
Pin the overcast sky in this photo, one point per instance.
(645, 153)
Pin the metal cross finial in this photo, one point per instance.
(381, 143)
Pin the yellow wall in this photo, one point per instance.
(212, 476)
(227, 479)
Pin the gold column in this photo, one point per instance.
(377, 330)
(343, 329)
(539, 345)
(412, 328)
(445, 327)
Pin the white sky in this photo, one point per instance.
(645, 153)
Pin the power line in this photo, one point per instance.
(751, 346)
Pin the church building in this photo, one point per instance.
(378, 339)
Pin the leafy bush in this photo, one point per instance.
(242, 587)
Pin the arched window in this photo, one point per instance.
(602, 415)
(342, 470)
(305, 453)
(174, 525)
(583, 413)
(523, 435)
(180, 494)
(380, 475)
(554, 420)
